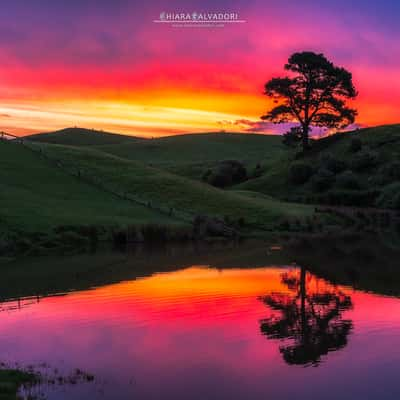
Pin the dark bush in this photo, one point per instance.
(386, 175)
(23, 244)
(391, 171)
(154, 233)
(119, 237)
(204, 226)
(257, 171)
(379, 179)
(355, 145)
(348, 180)
(206, 175)
(327, 161)
(219, 179)
(300, 172)
(390, 196)
(364, 160)
(241, 222)
(292, 137)
(89, 231)
(73, 239)
(322, 180)
(226, 173)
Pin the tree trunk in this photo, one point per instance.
(305, 141)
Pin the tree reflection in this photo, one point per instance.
(310, 315)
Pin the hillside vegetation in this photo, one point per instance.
(163, 189)
(36, 196)
(101, 179)
(359, 168)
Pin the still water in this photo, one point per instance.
(222, 329)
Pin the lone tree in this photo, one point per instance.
(309, 315)
(314, 94)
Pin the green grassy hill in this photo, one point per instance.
(191, 155)
(163, 189)
(362, 166)
(82, 137)
(88, 177)
(36, 196)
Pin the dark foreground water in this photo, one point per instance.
(240, 323)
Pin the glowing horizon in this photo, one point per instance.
(114, 69)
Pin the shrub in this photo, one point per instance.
(23, 244)
(206, 175)
(89, 231)
(364, 160)
(348, 180)
(257, 171)
(154, 233)
(73, 239)
(379, 179)
(390, 196)
(292, 137)
(300, 173)
(119, 237)
(391, 171)
(226, 173)
(332, 164)
(219, 179)
(355, 145)
(322, 180)
(386, 175)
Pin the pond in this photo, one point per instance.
(221, 322)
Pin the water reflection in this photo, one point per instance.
(186, 322)
(310, 315)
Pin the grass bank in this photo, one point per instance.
(11, 380)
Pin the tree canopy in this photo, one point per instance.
(314, 94)
(311, 317)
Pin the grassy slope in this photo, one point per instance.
(82, 137)
(36, 196)
(190, 155)
(169, 190)
(383, 139)
(273, 181)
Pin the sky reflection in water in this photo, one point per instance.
(203, 333)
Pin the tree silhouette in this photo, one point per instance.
(314, 94)
(310, 317)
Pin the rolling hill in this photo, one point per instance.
(200, 149)
(36, 196)
(353, 168)
(192, 155)
(162, 189)
(82, 137)
(188, 155)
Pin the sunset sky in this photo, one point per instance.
(105, 64)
